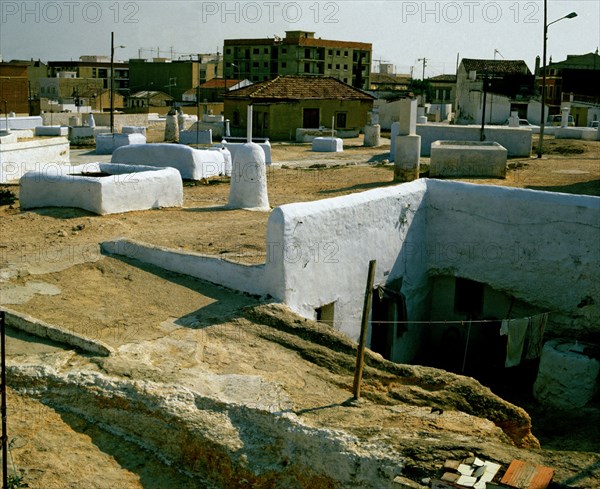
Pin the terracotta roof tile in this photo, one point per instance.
(505, 66)
(300, 87)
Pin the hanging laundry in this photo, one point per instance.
(517, 331)
(504, 327)
(536, 335)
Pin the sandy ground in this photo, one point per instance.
(50, 268)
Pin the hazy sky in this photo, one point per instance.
(401, 31)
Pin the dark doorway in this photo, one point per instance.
(310, 119)
(388, 320)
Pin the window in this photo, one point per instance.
(255, 51)
(337, 67)
(337, 52)
(340, 120)
(326, 313)
(345, 80)
(94, 72)
(236, 118)
(330, 52)
(306, 67)
(283, 50)
(346, 67)
(266, 64)
(346, 53)
(468, 296)
(266, 50)
(329, 66)
(255, 64)
(307, 53)
(283, 64)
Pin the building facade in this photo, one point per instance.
(506, 85)
(286, 103)
(94, 67)
(298, 53)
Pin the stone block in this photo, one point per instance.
(467, 159)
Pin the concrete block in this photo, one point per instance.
(14, 123)
(406, 162)
(307, 135)
(517, 141)
(134, 130)
(195, 137)
(372, 135)
(52, 131)
(107, 143)
(467, 159)
(193, 164)
(248, 188)
(328, 145)
(102, 188)
(8, 137)
(407, 123)
(567, 375)
(18, 158)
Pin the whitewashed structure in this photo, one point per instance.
(327, 145)
(19, 157)
(248, 189)
(467, 159)
(106, 144)
(193, 164)
(514, 241)
(102, 188)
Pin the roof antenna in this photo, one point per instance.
(499, 53)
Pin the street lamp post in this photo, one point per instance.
(543, 118)
(112, 81)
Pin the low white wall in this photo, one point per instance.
(237, 276)
(516, 141)
(194, 164)
(18, 158)
(29, 122)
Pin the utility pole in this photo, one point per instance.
(424, 65)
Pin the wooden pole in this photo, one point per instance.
(3, 406)
(360, 354)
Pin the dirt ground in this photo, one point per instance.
(51, 269)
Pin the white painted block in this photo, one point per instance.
(193, 164)
(248, 188)
(102, 188)
(107, 143)
(467, 159)
(328, 145)
(18, 158)
(51, 131)
(195, 137)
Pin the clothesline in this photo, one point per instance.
(456, 321)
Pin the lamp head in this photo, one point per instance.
(571, 15)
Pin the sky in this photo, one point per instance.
(402, 32)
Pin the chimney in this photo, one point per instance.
(537, 66)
